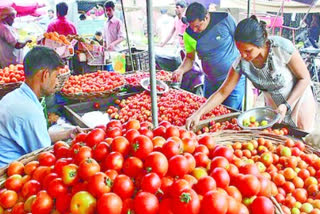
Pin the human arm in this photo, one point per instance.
(215, 99)
(65, 134)
(20, 45)
(168, 37)
(300, 71)
(12, 39)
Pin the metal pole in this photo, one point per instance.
(128, 41)
(246, 80)
(152, 65)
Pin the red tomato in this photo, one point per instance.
(151, 183)
(98, 184)
(31, 187)
(46, 159)
(120, 144)
(15, 167)
(131, 134)
(43, 203)
(221, 162)
(113, 132)
(87, 168)
(47, 179)
(82, 154)
(8, 198)
(62, 203)
(30, 167)
(141, 147)
(166, 183)
(60, 163)
(221, 177)
(249, 185)
(114, 123)
(56, 188)
(132, 166)
(14, 182)
(205, 184)
(96, 105)
(171, 148)
(159, 131)
(234, 193)
(127, 206)
(146, 203)
(249, 169)
(81, 137)
(94, 137)
(18, 208)
(114, 160)
(178, 166)
(109, 203)
(207, 141)
(100, 151)
(146, 132)
(223, 151)
(178, 186)
(265, 187)
(172, 131)
(262, 205)
(187, 202)
(233, 206)
(165, 206)
(214, 202)
(123, 186)
(202, 160)
(132, 124)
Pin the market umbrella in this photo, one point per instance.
(23, 7)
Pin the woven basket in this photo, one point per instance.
(62, 78)
(8, 87)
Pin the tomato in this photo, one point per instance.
(233, 170)
(123, 186)
(15, 167)
(172, 131)
(114, 123)
(262, 205)
(171, 148)
(132, 166)
(178, 166)
(221, 162)
(88, 168)
(56, 188)
(132, 124)
(214, 202)
(234, 193)
(202, 160)
(30, 167)
(165, 206)
(98, 184)
(8, 198)
(83, 203)
(249, 169)
(113, 161)
(151, 183)
(112, 174)
(207, 141)
(187, 202)
(141, 147)
(205, 184)
(95, 136)
(249, 185)
(178, 186)
(146, 132)
(120, 144)
(62, 203)
(47, 179)
(70, 174)
(223, 151)
(109, 203)
(221, 177)
(166, 183)
(82, 154)
(81, 137)
(113, 132)
(146, 203)
(100, 151)
(300, 195)
(43, 203)
(131, 134)
(58, 145)
(159, 131)
(60, 163)
(18, 208)
(14, 182)
(96, 105)
(46, 159)
(233, 206)
(31, 187)
(265, 187)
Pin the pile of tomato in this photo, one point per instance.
(125, 168)
(11, 74)
(134, 79)
(174, 106)
(99, 81)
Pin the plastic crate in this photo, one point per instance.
(140, 60)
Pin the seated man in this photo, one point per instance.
(23, 127)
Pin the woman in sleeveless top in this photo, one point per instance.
(275, 67)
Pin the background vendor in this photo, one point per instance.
(113, 31)
(10, 48)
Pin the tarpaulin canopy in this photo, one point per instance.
(23, 7)
(272, 6)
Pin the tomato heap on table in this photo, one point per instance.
(134, 79)
(11, 74)
(99, 81)
(124, 168)
(174, 106)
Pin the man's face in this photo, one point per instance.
(179, 10)
(199, 26)
(109, 11)
(49, 83)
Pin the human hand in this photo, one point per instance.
(193, 121)
(177, 75)
(28, 41)
(111, 47)
(73, 132)
(282, 110)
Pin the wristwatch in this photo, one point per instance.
(288, 106)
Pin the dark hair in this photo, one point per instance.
(39, 58)
(50, 10)
(252, 31)
(62, 9)
(109, 4)
(196, 11)
(181, 3)
(82, 17)
(98, 33)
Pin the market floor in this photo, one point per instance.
(260, 102)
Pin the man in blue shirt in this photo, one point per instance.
(210, 36)
(23, 126)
